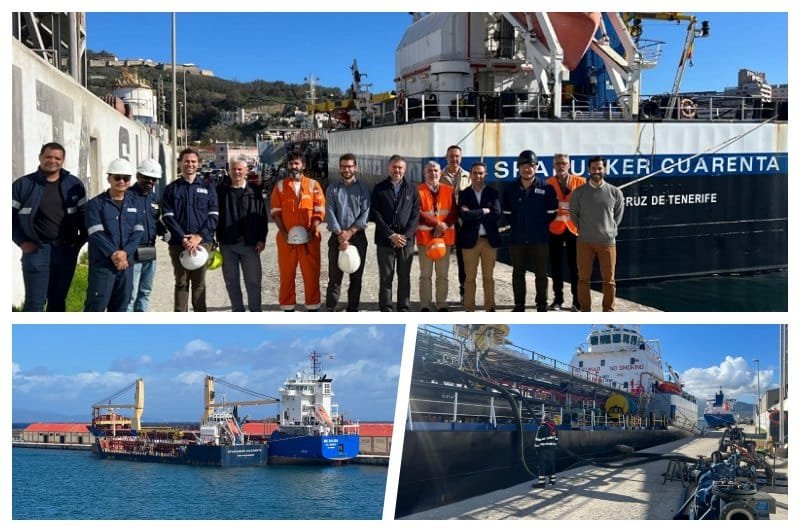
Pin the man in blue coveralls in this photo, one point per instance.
(115, 226)
(191, 213)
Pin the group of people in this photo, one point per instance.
(451, 210)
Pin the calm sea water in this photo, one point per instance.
(54, 484)
(768, 292)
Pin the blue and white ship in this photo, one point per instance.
(719, 411)
(310, 429)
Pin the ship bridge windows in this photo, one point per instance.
(580, 363)
(605, 339)
(626, 338)
(617, 338)
(602, 363)
(594, 340)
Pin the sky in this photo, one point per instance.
(705, 356)
(61, 370)
(295, 46)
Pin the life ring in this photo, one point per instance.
(688, 108)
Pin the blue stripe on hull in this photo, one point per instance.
(289, 449)
(719, 420)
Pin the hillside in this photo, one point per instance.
(207, 97)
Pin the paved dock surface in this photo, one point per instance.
(595, 493)
(161, 300)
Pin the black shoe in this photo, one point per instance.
(329, 309)
(424, 309)
(541, 309)
(288, 310)
(555, 305)
(352, 310)
(518, 309)
(539, 485)
(444, 309)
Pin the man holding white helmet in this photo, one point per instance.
(190, 213)
(242, 234)
(144, 261)
(115, 226)
(347, 213)
(297, 206)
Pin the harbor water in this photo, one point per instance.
(766, 292)
(55, 484)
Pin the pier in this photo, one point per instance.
(161, 299)
(598, 493)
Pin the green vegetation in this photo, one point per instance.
(208, 97)
(76, 297)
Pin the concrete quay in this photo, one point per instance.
(161, 299)
(595, 493)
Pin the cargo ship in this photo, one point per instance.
(719, 411)
(704, 174)
(476, 400)
(310, 429)
(220, 441)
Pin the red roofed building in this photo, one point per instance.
(66, 433)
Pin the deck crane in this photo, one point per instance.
(104, 411)
(634, 21)
(209, 394)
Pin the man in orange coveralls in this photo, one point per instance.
(298, 202)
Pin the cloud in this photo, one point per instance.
(60, 387)
(132, 364)
(735, 375)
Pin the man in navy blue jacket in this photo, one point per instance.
(47, 223)
(190, 212)
(115, 225)
(479, 209)
(530, 205)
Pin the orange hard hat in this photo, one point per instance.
(436, 249)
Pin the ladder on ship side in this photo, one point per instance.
(684, 422)
(644, 401)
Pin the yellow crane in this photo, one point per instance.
(104, 411)
(209, 395)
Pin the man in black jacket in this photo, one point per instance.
(395, 211)
(479, 209)
(241, 233)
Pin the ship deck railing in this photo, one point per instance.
(509, 106)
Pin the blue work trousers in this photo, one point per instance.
(47, 274)
(109, 289)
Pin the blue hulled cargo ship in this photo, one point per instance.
(220, 442)
(719, 411)
(310, 429)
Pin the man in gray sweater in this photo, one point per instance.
(596, 209)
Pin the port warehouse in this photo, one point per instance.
(375, 437)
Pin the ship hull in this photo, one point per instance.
(719, 420)
(447, 462)
(306, 449)
(711, 213)
(199, 455)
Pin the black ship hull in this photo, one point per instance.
(247, 455)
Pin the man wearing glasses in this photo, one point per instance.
(347, 206)
(115, 226)
(144, 266)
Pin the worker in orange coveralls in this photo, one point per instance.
(297, 206)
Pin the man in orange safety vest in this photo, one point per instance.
(563, 233)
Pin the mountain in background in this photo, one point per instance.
(208, 96)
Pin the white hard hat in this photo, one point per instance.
(120, 167)
(196, 260)
(349, 260)
(297, 235)
(150, 168)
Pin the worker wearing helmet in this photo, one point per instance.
(242, 234)
(563, 233)
(347, 204)
(190, 212)
(144, 261)
(437, 218)
(115, 225)
(48, 225)
(546, 443)
(297, 206)
(529, 204)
